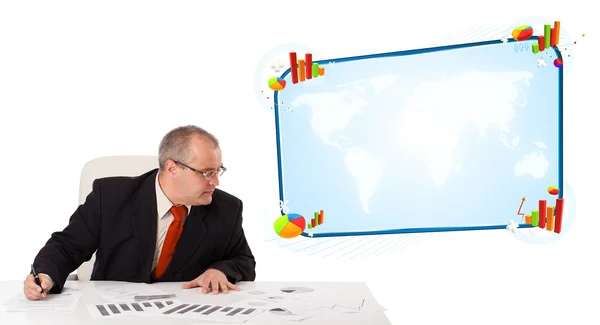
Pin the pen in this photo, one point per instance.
(36, 278)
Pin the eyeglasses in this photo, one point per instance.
(207, 175)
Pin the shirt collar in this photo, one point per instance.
(163, 204)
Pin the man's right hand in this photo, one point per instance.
(33, 291)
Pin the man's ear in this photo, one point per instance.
(171, 168)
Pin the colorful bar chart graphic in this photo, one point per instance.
(549, 39)
(304, 69)
(548, 217)
(317, 219)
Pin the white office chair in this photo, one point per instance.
(106, 167)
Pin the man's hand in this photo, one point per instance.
(33, 291)
(214, 279)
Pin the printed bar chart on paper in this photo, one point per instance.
(212, 312)
(404, 155)
(120, 309)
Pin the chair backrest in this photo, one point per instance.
(106, 167)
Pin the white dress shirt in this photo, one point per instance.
(165, 217)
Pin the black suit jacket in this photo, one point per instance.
(118, 221)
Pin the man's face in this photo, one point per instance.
(192, 187)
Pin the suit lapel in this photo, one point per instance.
(194, 232)
(145, 225)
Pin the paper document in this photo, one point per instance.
(154, 297)
(173, 308)
(63, 302)
(142, 308)
(126, 292)
(212, 312)
(299, 303)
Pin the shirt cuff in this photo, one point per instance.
(51, 281)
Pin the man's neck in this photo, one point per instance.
(164, 186)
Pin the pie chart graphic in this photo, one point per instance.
(276, 83)
(290, 225)
(553, 190)
(522, 33)
(558, 63)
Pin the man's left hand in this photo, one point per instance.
(211, 279)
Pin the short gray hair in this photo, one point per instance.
(175, 144)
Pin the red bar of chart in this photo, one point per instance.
(542, 210)
(552, 37)
(558, 215)
(541, 43)
(308, 59)
(294, 67)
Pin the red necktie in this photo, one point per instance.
(171, 239)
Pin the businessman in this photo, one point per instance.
(169, 224)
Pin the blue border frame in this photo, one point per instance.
(412, 52)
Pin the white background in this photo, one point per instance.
(81, 79)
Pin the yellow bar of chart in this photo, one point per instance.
(301, 70)
(550, 215)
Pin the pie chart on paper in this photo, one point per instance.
(290, 225)
(297, 290)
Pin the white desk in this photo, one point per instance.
(82, 315)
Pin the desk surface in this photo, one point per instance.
(82, 316)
